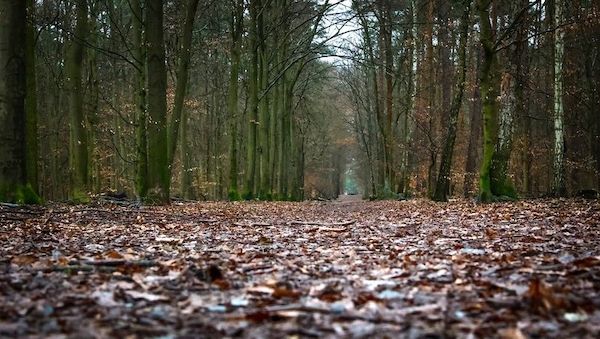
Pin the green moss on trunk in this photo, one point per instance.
(19, 194)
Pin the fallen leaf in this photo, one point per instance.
(146, 296)
(22, 260)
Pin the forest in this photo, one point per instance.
(300, 168)
(280, 100)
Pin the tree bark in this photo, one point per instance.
(501, 185)
(412, 99)
(475, 125)
(236, 27)
(13, 89)
(489, 92)
(558, 185)
(79, 156)
(378, 116)
(264, 191)
(182, 78)
(442, 187)
(158, 162)
(31, 132)
(139, 54)
(250, 189)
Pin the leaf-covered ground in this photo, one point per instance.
(314, 269)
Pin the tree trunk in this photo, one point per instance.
(475, 128)
(13, 89)
(378, 116)
(91, 101)
(386, 31)
(158, 162)
(78, 125)
(558, 185)
(500, 184)
(250, 189)
(264, 191)
(31, 132)
(139, 53)
(236, 27)
(182, 78)
(187, 190)
(442, 187)
(489, 92)
(412, 99)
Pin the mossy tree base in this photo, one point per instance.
(19, 194)
(234, 195)
(80, 197)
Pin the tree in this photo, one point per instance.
(443, 181)
(31, 131)
(79, 156)
(140, 60)
(158, 161)
(236, 30)
(558, 183)
(14, 186)
(182, 77)
(251, 163)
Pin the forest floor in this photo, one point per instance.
(349, 268)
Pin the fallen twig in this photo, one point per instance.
(348, 316)
(115, 262)
(316, 223)
(252, 224)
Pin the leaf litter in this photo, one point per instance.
(312, 269)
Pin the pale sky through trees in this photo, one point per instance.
(342, 30)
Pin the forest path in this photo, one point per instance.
(348, 268)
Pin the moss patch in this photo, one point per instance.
(19, 194)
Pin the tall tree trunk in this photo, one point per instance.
(474, 126)
(489, 92)
(158, 162)
(378, 116)
(236, 27)
(182, 78)
(264, 191)
(284, 144)
(521, 61)
(31, 132)
(13, 90)
(558, 185)
(187, 189)
(429, 72)
(389, 97)
(442, 187)
(500, 184)
(412, 99)
(78, 125)
(139, 53)
(91, 101)
(250, 189)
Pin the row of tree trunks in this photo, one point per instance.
(274, 142)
